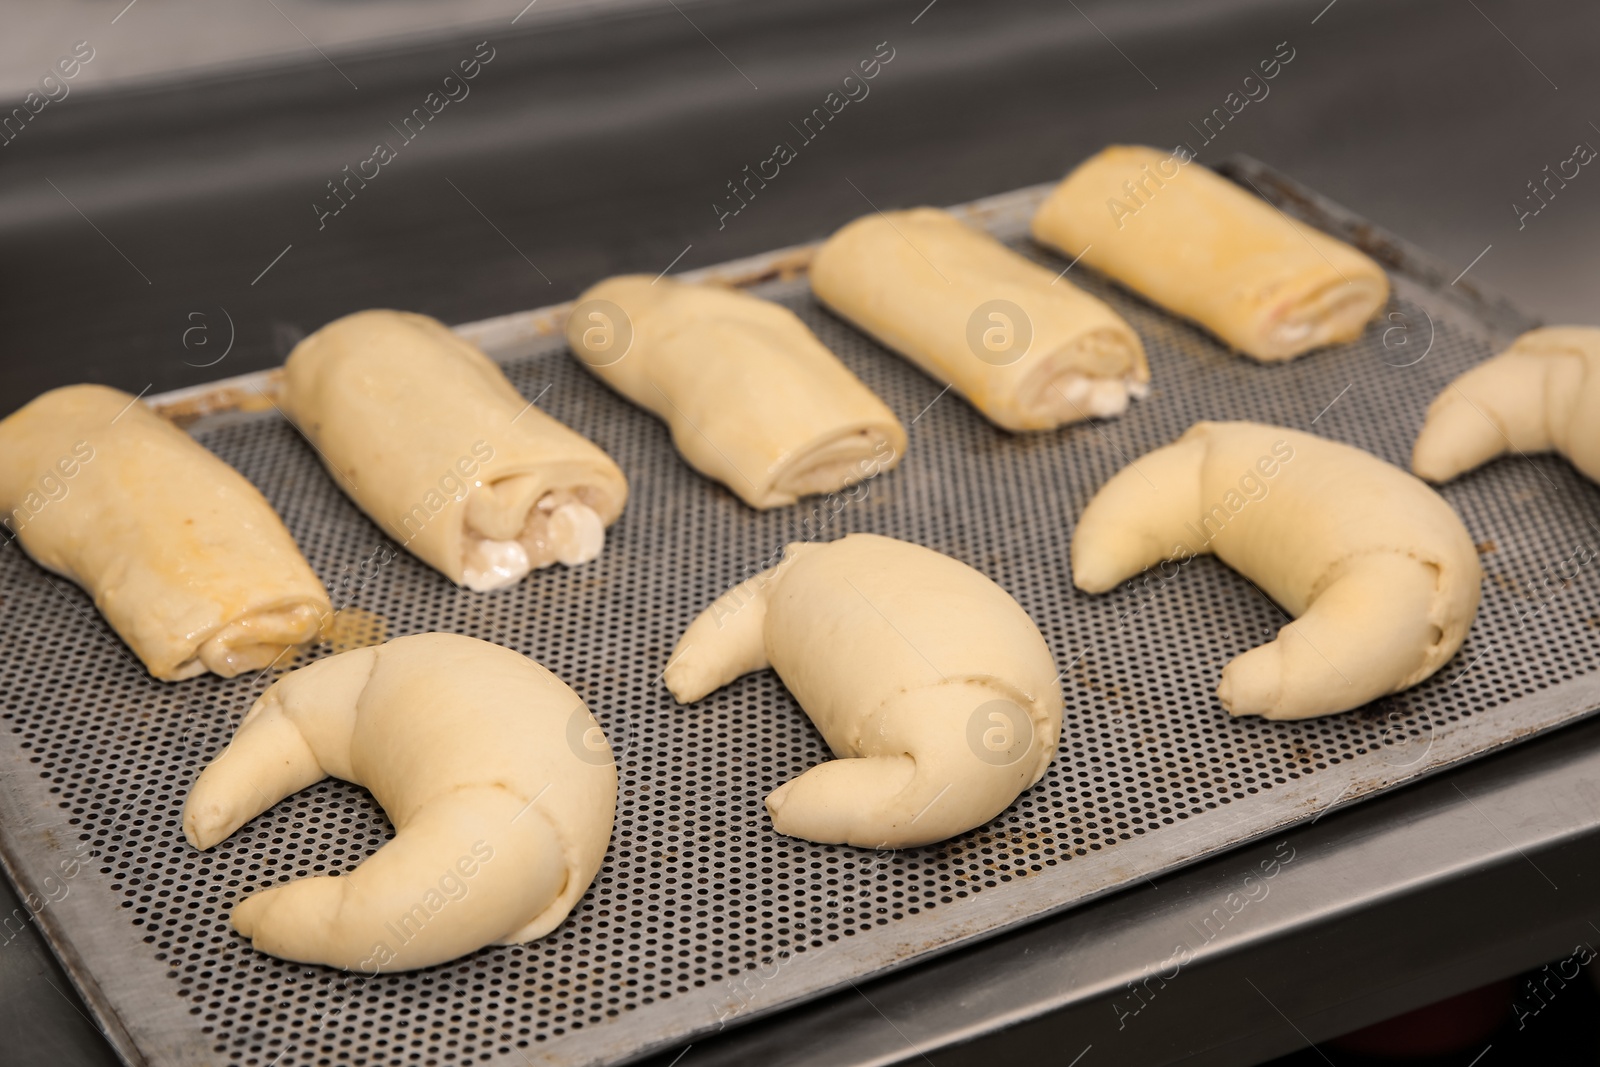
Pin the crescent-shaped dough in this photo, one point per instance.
(428, 436)
(498, 781)
(1541, 394)
(1201, 247)
(185, 558)
(1030, 350)
(1379, 573)
(929, 682)
(752, 398)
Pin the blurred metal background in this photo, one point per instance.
(158, 228)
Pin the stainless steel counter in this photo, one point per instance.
(590, 148)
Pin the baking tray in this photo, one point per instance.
(702, 917)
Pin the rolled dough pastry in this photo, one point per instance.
(929, 682)
(1201, 247)
(1539, 395)
(185, 558)
(428, 436)
(1379, 573)
(1031, 351)
(496, 777)
(752, 398)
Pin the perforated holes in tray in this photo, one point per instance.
(697, 891)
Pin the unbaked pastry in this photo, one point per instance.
(1379, 573)
(752, 398)
(928, 681)
(184, 557)
(428, 436)
(1202, 247)
(498, 781)
(1539, 395)
(1029, 349)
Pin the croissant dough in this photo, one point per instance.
(925, 284)
(1200, 246)
(1541, 394)
(929, 682)
(496, 777)
(428, 436)
(1378, 571)
(185, 558)
(752, 398)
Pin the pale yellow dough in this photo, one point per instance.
(1206, 249)
(1379, 573)
(917, 279)
(184, 557)
(498, 781)
(752, 398)
(427, 435)
(1542, 394)
(933, 688)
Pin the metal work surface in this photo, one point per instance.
(702, 916)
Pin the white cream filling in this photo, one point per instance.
(575, 533)
(494, 564)
(558, 529)
(1097, 398)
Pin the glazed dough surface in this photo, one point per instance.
(498, 781)
(752, 398)
(1542, 394)
(933, 688)
(185, 558)
(428, 436)
(1206, 249)
(1379, 573)
(915, 280)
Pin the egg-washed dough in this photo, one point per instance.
(1202, 247)
(497, 779)
(185, 558)
(933, 688)
(433, 442)
(752, 398)
(916, 279)
(1379, 573)
(1542, 394)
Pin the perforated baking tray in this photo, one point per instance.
(701, 916)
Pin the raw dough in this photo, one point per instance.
(498, 781)
(1379, 573)
(428, 436)
(752, 398)
(184, 557)
(1202, 247)
(948, 297)
(929, 682)
(1541, 394)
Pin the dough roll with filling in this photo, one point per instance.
(752, 398)
(1202, 247)
(1031, 351)
(185, 558)
(428, 436)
